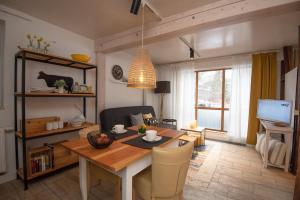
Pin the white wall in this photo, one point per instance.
(119, 95)
(67, 42)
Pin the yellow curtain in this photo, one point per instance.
(263, 86)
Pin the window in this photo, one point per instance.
(2, 30)
(213, 91)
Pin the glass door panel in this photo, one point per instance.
(210, 89)
(209, 118)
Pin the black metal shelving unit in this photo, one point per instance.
(25, 55)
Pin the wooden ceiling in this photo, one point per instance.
(98, 18)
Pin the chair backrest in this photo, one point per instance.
(169, 170)
(83, 132)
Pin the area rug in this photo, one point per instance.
(196, 164)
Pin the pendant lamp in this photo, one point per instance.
(141, 72)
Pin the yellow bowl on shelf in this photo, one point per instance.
(81, 57)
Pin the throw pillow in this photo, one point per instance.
(147, 116)
(137, 119)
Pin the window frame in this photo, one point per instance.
(222, 108)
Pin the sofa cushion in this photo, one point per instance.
(110, 117)
(136, 119)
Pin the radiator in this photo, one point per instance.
(2, 151)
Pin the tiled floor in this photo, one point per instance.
(229, 172)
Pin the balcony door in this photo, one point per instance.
(213, 99)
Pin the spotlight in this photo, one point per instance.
(192, 56)
(135, 7)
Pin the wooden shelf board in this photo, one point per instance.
(46, 133)
(52, 59)
(40, 94)
(68, 161)
(38, 149)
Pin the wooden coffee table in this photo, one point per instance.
(198, 133)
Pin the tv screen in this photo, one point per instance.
(274, 110)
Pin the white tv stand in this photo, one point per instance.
(287, 132)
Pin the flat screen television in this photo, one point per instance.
(279, 111)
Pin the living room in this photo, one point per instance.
(93, 93)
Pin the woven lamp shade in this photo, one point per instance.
(141, 73)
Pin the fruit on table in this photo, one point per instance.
(102, 139)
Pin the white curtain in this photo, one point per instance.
(179, 104)
(240, 97)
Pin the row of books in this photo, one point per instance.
(42, 161)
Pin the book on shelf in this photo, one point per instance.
(42, 161)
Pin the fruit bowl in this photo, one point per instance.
(81, 57)
(99, 140)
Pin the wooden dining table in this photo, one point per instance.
(121, 159)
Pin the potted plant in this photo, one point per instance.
(60, 84)
(142, 129)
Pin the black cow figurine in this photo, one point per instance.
(50, 80)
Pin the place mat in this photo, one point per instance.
(139, 142)
(123, 135)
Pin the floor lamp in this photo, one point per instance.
(162, 87)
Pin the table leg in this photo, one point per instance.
(126, 185)
(288, 141)
(83, 177)
(266, 149)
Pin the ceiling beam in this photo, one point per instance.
(153, 9)
(190, 45)
(214, 14)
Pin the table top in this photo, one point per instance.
(118, 155)
(197, 129)
(188, 138)
(271, 127)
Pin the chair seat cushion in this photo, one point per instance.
(143, 183)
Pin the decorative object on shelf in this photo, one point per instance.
(42, 89)
(60, 84)
(55, 125)
(141, 72)
(82, 89)
(81, 57)
(49, 126)
(51, 79)
(79, 119)
(46, 47)
(99, 140)
(30, 42)
(163, 87)
(39, 41)
(142, 129)
(61, 124)
(37, 44)
(75, 88)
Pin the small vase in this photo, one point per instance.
(61, 90)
